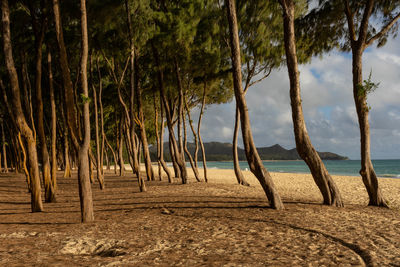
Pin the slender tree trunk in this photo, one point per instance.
(238, 172)
(36, 200)
(24, 168)
(53, 126)
(173, 158)
(203, 152)
(141, 124)
(367, 171)
(120, 150)
(67, 163)
(27, 88)
(98, 158)
(85, 189)
(114, 155)
(101, 119)
(161, 154)
(324, 181)
(157, 136)
(44, 152)
(5, 169)
(254, 160)
(195, 170)
(196, 141)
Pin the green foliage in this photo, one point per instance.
(367, 87)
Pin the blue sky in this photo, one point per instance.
(328, 105)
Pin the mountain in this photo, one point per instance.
(216, 151)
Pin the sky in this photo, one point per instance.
(328, 106)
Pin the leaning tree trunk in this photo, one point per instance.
(324, 181)
(254, 160)
(238, 172)
(53, 125)
(203, 152)
(36, 200)
(196, 140)
(367, 171)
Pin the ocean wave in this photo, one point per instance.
(387, 175)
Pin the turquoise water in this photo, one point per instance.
(383, 168)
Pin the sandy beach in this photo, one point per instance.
(215, 224)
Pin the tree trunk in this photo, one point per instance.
(141, 124)
(120, 150)
(203, 152)
(196, 141)
(180, 162)
(3, 140)
(36, 201)
(161, 154)
(67, 163)
(238, 172)
(99, 174)
(255, 163)
(367, 171)
(85, 189)
(101, 119)
(173, 158)
(114, 155)
(53, 126)
(194, 168)
(25, 169)
(324, 181)
(48, 187)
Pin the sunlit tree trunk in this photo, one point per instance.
(324, 181)
(238, 173)
(203, 152)
(3, 140)
(254, 160)
(121, 149)
(358, 46)
(36, 200)
(53, 125)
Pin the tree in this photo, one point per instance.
(255, 163)
(355, 26)
(81, 145)
(358, 46)
(20, 120)
(324, 181)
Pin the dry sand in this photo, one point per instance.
(199, 224)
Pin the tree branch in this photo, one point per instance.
(384, 30)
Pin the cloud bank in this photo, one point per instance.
(326, 88)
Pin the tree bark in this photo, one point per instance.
(53, 125)
(358, 46)
(24, 168)
(114, 155)
(99, 164)
(3, 140)
(85, 189)
(36, 200)
(203, 152)
(324, 181)
(120, 149)
(101, 118)
(48, 186)
(367, 171)
(253, 158)
(161, 154)
(238, 173)
(194, 168)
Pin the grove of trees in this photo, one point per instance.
(93, 83)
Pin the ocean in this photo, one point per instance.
(383, 168)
